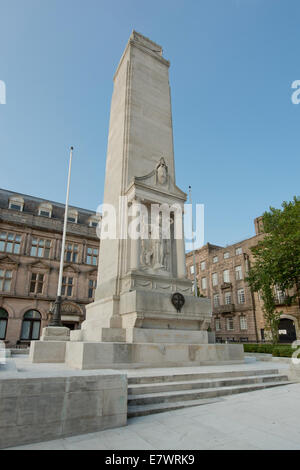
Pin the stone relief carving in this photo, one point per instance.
(161, 254)
(161, 172)
(70, 308)
(159, 176)
(146, 253)
(155, 253)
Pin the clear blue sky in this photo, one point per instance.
(236, 131)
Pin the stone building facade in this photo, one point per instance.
(30, 245)
(237, 312)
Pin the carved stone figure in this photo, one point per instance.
(161, 252)
(146, 253)
(162, 172)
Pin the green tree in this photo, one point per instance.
(277, 259)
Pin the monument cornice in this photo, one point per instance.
(134, 43)
(156, 191)
(161, 59)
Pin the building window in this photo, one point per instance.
(192, 269)
(15, 206)
(16, 203)
(227, 298)
(243, 322)
(241, 296)
(71, 253)
(3, 323)
(238, 273)
(44, 213)
(239, 250)
(280, 295)
(216, 300)
(226, 255)
(40, 248)
(92, 256)
(5, 280)
(31, 325)
(215, 259)
(67, 286)
(229, 324)
(36, 283)
(45, 210)
(94, 221)
(204, 283)
(203, 265)
(226, 275)
(92, 287)
(215, 279)
(218, 324)
(10, 242)
(73, 216)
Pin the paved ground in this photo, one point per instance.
(266, 419)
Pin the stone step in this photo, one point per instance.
(143, 410)
(176, 377)
(196, 394)
(139, 389)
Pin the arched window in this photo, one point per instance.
(31, 325)
(3, 323)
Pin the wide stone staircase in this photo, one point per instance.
(156, 393)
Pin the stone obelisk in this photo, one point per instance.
(144, 313)
(138, 277)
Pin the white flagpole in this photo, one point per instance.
(63, 244)
(56, 319)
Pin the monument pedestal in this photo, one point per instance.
(47, 351)
(146, 316)
(95, 355)
(152, 334)
(55, 333)
(52, 345)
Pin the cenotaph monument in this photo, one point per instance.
(145, 313)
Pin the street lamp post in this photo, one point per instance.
(56, 317)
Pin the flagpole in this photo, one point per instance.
(56, 318)
(194, 259)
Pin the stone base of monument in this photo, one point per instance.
(146, 332)
(47, 351)
(55, 333)
(140, 335)
(52, 345)
(95, 355)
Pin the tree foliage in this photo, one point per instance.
(277, 258)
